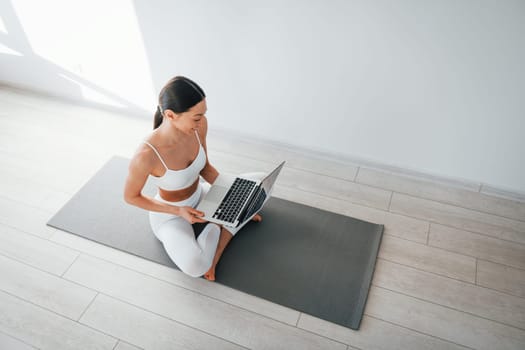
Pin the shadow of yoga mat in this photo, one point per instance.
(307, 259)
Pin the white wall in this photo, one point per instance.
(432, 86)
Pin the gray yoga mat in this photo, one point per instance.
(310, 260)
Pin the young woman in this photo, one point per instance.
(174, 156)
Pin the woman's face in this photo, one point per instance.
(189, 121)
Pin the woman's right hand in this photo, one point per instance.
(191, 215)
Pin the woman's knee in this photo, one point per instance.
(209, 237)
(189, 258)
(194, 266)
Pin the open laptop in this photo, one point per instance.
(231, 201)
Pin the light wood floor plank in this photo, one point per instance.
(461, 296)
(44, 329)
(375, 334)
(9, 343)
(146, 329)
(25, 218)
(173, 276)
(35, 251)
(14, 141)
(405, 227)
(31, 170)
(195, 310)
(500, 277)
(54, 201)
(442, 322)
(461, 218)
(125, 346)
(337, 188)
(275, 154)
(50, 145)
(477, 245)
(43, 289)
(331, 204)
(442, 193)
(305, 181)
(19, 186)
(427, 258)
(67, 142)
(234, 164)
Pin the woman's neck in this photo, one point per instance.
(170, 134)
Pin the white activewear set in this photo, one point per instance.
(193, 256)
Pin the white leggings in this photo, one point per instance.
(193, 256)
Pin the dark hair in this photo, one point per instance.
(179, 95)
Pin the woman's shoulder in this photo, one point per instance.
(144, 157)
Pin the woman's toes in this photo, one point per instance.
(210, 275)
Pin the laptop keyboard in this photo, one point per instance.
(234, 200)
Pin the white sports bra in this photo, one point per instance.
(173, 180)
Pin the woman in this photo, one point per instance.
(174, 155)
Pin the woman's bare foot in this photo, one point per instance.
(224, 239)
(257, 218)
(210, 275)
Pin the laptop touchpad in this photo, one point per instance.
(216, 194)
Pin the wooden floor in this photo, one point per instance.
(450, 273)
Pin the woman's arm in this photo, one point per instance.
(208, 173)
(138, 172)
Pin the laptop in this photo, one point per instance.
(231, 201)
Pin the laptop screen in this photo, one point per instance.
(261, 194)
(267, 183)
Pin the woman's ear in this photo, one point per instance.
(168, 113)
